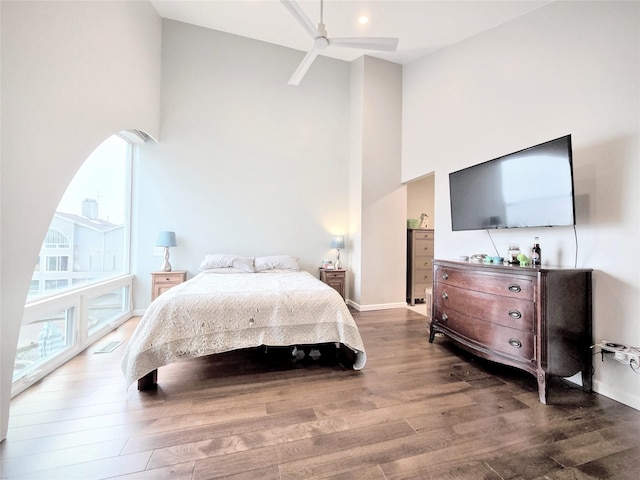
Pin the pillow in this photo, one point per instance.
(224, 270)
(277, 262)
(220, 260)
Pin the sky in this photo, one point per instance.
(101, 177)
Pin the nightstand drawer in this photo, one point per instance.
(335, 279)
(329, 275)
(163, 281)
(172, 278)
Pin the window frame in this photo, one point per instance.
(76, 299)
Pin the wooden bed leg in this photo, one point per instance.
(149, 381)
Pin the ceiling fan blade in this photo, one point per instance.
(303, 67)
(301, 17)
(369, 43)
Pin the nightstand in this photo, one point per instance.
(163, 281)
(335, 279)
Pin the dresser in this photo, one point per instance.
(163, 281)
(334, 278)
(535, 319)
(419, 264)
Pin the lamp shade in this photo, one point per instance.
(166, 239)
(337, 242)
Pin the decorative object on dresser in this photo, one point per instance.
(338, 243)
(419, 264)
(535, 319)
(424, 221)
(163, 281)
(166, 240)
(334, 278)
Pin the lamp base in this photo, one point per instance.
(166, 266)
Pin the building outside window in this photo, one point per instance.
(86, 240)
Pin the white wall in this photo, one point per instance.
(420, 196)
(73, 73)
(247, 164)
(568, 67)
(381, 203)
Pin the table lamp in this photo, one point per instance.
(166, 240)
(338, 243)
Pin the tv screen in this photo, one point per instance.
(529, 188)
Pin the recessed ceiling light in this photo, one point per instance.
(362, 20)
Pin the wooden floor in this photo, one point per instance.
(416, 411)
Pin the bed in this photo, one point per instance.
(236, 303)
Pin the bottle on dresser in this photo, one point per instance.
(536, 253)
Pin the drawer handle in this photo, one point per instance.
(515, 343)
(514, 287)
(445, 317)
(515, 314)
(445, 276)
(444, 295)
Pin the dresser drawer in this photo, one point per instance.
(423, 276)
(507, 285)
(424, 234)
(421, 264)
(508, 341)
(423, 249)
(507, 311)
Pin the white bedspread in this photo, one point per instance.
(214, 313)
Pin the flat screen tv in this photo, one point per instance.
(529, 188)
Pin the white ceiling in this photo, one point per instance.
(423, 26)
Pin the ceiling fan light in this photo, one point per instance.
(363, 20)
(320, 43)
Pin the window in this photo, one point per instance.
(57, 264)
(56, 284)
(34, 286)
(106, 308)
(43, 338)
(87, 240)
(55, 239)
(80, 288)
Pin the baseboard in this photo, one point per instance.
(626, 398)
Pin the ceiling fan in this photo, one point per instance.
(322, 41)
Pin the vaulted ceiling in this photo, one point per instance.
(423, 26)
